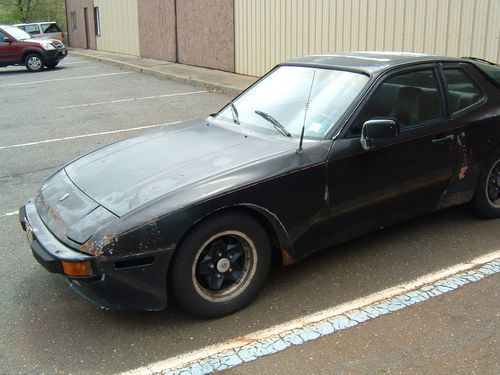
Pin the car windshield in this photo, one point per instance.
(278, 102)
(18, 33)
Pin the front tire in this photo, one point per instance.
(221, 265)
(34, 62)
(486, 200)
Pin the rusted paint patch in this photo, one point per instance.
(463, 171)
(100, 245)
(287, 258)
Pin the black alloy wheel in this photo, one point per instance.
(220, 265)
(493, 186)
(224, 265)
(486, 200)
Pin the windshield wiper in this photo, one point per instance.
(236, 116)
(277, 125)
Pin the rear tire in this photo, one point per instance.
(221, 265)
(486, 200)
(34, 62)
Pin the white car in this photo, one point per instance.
(48, 30)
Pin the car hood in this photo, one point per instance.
(40, 41)
(126, 175)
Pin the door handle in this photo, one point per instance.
(449, 137)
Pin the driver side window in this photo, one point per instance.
(411, 99)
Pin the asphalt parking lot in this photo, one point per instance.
(49, 118)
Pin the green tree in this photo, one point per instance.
(20, 11)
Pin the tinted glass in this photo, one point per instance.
(410, 98)
(50, 28)
(491, 71)
(287, 91)
(462, 91)
(32, 29)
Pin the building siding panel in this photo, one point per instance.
(271, 31)
(157, 29)
(77, 37)
(119, 26)
(205, 32)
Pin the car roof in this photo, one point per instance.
(368, 62)
(33, 23)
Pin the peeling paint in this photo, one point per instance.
(287, 258)
(462, 172)
(100, 245)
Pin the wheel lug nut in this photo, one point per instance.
(211, 265)
(218, 275)
(230, 270)
(220, 254)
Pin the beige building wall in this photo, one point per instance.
(157, 29)
(270, 31)
(205, 33)
(119, 26)
(78, 37)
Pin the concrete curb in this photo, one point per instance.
(205, 84)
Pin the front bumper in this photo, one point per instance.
(135, 282)
(54, 56)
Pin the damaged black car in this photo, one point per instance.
(320, 150)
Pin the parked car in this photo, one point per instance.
(320, 150)
(18, 48)
(48, 30)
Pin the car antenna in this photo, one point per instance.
(301, 150)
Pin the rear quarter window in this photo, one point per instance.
(463, 92)
(32, 29)
(490, 71)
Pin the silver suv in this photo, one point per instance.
(48, 30)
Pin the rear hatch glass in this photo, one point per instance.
(50, 28)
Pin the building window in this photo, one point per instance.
(97, 21)
(73, 20)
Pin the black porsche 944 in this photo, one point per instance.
(320, 150)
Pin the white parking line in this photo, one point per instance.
(310, 327)
(88, 135)
(82, 68)
(8, 214)
(50, 72)
(131, 99)
(76, 62)
(64, 79)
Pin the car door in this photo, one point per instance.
(399, 176)
(8, 50)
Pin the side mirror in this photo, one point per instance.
(7, 40)
(378, 129)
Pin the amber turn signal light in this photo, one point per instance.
(77, 268)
